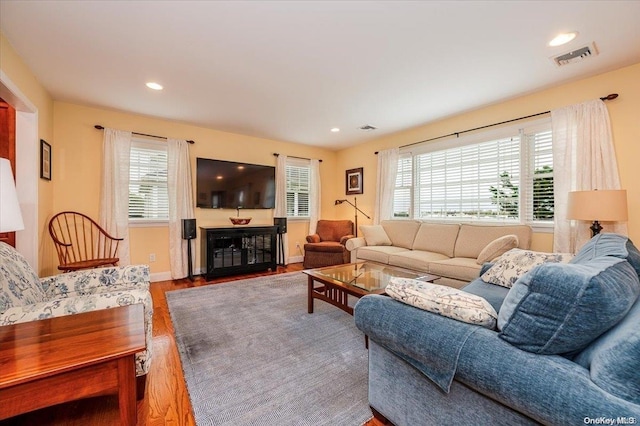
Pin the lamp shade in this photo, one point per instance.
(10, 216)
(601, 205)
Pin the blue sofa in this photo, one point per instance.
(567, 351)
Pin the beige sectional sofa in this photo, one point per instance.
(449, 250)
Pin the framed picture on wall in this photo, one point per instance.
(354, 181)
(45, 160)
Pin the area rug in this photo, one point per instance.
(252, 355)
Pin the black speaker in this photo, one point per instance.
(281, 223)
(188, 229)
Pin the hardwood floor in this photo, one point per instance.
(166, 400)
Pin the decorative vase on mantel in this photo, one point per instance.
(239, 220)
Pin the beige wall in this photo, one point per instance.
(625, 120)
(22, 77)
(76, 149)
(77, 168)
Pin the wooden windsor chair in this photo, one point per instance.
(81, 243)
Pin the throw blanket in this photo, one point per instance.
(409, 333)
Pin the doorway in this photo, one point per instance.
(26, 167)
(8, 150)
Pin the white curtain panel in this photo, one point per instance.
(281, 199)
(583, 159)
(386, 183)
(315, 196)
(114, 197)
(180, 204)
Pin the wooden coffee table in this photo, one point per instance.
(354, 279)
(47, 362)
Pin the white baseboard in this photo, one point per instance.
(160, 276)
(296, 259)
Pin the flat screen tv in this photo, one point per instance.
(232, 185)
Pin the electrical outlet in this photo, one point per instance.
(152, 257)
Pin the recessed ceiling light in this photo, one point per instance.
(155, 86)
(335, 130)
(562, 38)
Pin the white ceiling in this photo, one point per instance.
(291, 71)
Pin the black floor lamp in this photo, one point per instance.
(355, 206)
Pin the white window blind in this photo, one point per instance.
(507, 178)
(298, 187)
(539, 185)
(404, 187)
(148, 195)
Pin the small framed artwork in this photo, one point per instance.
(354, 181)
(45, 160)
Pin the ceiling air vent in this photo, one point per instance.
(367, 128)
(575, 55)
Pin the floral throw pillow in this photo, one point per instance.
(442, 300)
(516, 262)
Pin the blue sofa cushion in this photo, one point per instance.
(561, 308)
(494, 294)
(613, 359)
(609, 245)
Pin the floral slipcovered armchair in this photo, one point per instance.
(25, 297)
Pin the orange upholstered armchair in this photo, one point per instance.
(326, 246)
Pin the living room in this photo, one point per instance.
(77, 154)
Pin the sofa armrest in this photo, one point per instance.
(549, 388)
(346, 238)
(98, 280)
(78, 304)
(315, 238)
(353, 243)
(429, 342)
(57, 307)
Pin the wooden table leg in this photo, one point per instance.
(310, 294)
(127, 391)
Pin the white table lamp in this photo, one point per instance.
(10, 216)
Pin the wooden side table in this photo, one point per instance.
(51, 361)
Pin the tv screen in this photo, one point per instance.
(231, 185)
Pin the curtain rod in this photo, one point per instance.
(99, 127)
(457, 134)
(275, 154)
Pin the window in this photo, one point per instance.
(298, 174)
(500, 176)
(148, 194)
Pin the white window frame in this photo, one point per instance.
(141, 143)
(525, 163)
(302, 164)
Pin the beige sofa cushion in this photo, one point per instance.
(401, 232)
(378, 254)
(437, 238)
(473, 238)
(415, 259)
(460, 268)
